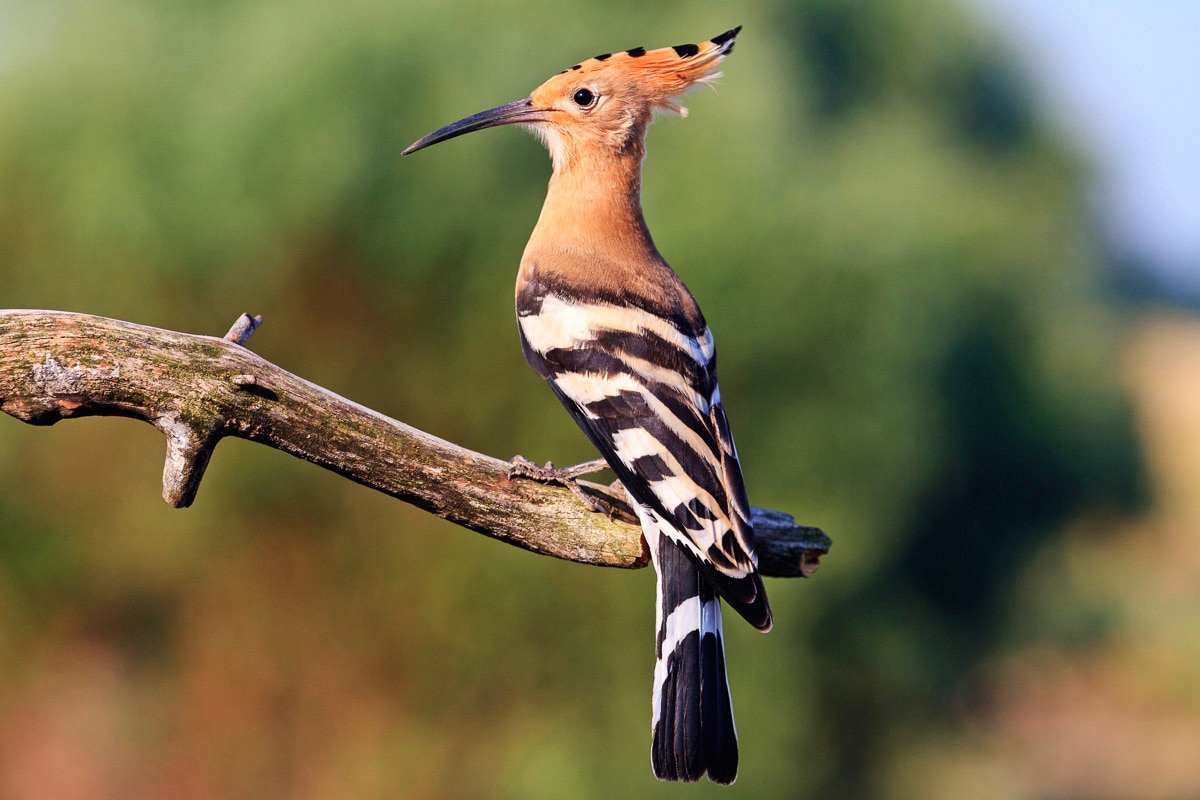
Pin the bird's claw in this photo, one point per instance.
(521, 467)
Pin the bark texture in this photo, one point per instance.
(199, 389)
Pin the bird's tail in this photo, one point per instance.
(693, 712)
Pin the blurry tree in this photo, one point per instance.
(890, 243)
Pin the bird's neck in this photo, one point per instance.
(594, 207)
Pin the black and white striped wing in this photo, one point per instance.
(643, 387)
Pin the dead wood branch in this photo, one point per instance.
(200, 389)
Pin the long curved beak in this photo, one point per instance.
(508, 114)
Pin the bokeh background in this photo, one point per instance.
(933, 345)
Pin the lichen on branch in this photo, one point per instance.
(197, 390)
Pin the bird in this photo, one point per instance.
(623, 344)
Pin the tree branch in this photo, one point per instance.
(200, 389)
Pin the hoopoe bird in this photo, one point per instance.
(623, 344)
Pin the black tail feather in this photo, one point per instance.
(693, 726)
(716, 723)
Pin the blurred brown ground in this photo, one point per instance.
(1117, 719)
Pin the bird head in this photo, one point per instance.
(602, 105)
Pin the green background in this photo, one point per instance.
(919, 353)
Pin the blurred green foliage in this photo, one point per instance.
(892, 247)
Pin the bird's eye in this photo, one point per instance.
(584, 98)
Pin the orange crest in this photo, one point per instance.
(603, 104)
(659, 76)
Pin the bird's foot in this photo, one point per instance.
(522, 467)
